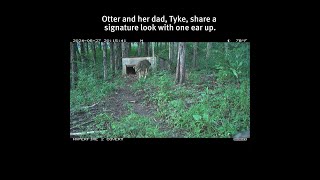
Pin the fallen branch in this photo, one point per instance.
(91, 105)
(90, 132)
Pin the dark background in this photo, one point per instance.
(74, 24)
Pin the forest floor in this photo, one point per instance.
(122, 102)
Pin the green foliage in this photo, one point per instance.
(90, 89)
(134, 126)
(197, 110)
(217, 112)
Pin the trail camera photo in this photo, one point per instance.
(159, 89)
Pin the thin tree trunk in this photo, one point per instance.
(208, 50)
(178, 68)
(139, 48)
(125, 49)
(112, 59)
(129, 49)
(104, 61)
(195, 52)
(182, 62)
(119, 56)
(76, 47)
(83, 57)
(145, 48)
(94, 53)
(170, 51)
(149, 49)
(115, 54)
(157, 46)
(180, 71)
(74, 67)
(208, 54)
(176, 50)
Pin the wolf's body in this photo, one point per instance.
(142, 68)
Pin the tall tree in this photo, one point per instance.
(195, 52)
(87, 47)
(139, 48)
(119, 55)
(94, 53)
(112, 59)
(104, 50)
(129, 49)
(149, 49)
(74, 67)
(170, 51)
(209, 44)
(83, 56)
(77, 52)
(115, 54)
(146, 49)
(125, 49)
(176, 49)
(180, 71)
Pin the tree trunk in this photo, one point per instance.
(115, 54)
(170, 51)
(176, 50)
(104, 49)
(119, 56)
(77, 52)
(83, 57)
(100, 45)
(94, 53)
(139, 48)
(74, 67)
(208, 53)
(129, 49)
(112, 59)
(125, 49)
(87, 46)
(195, 52)
(145, 48)
(180, 71)
(182, 62)
(208, 50)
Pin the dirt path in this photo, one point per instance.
(116, 104)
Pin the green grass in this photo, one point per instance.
(91, 89)
(198, 109)
(208, 112)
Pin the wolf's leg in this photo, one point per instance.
(145, 73)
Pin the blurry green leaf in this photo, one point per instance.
(206, 116)
(234, 72)
(196, 117)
